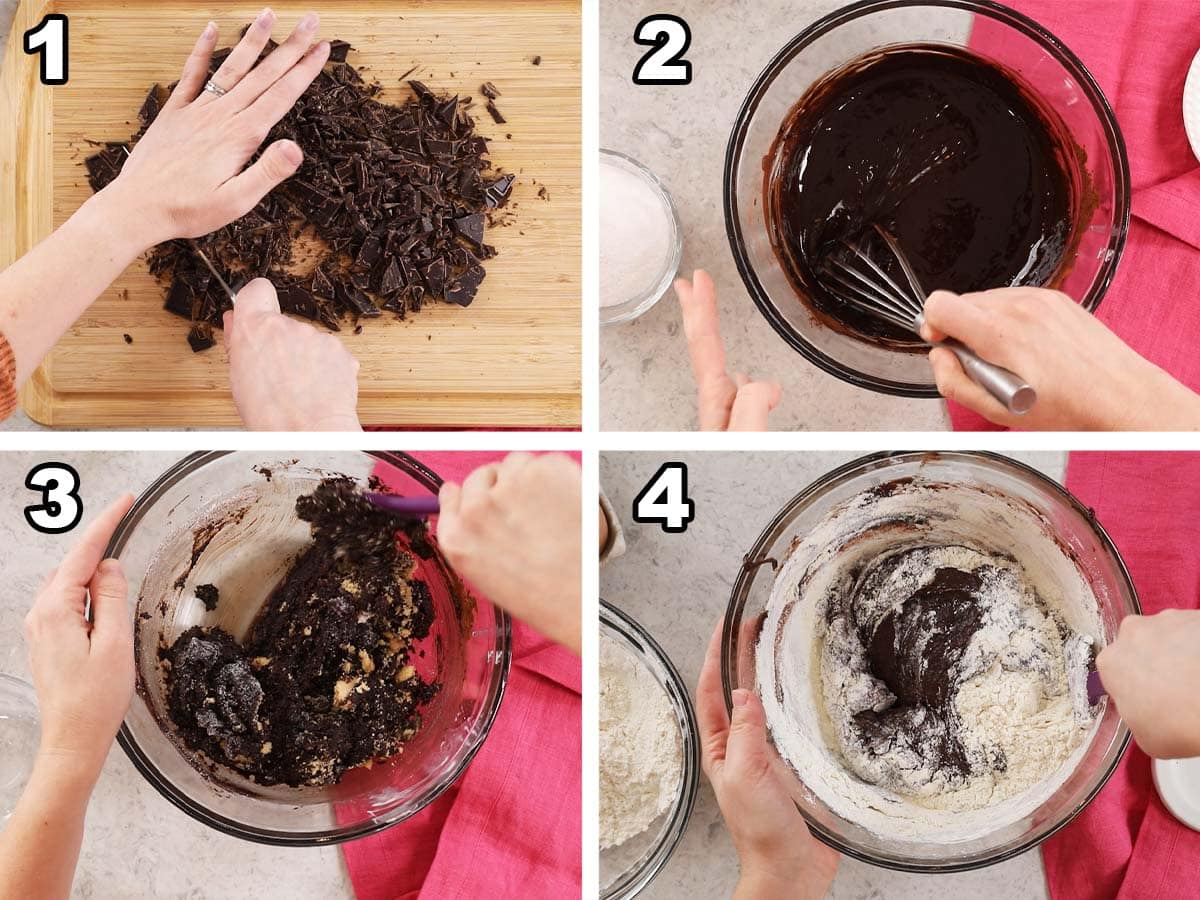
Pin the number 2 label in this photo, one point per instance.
(664, 500)
(48, 39)
(670, 37)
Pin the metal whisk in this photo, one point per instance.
(858, 280)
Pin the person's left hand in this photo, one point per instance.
(83, 673)
(187, 176)
(779, 856)
(727, 402)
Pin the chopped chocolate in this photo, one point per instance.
(537, 60)
(208, 595)
(489, 90)
(128, 338)
(394, 196)
(495, 113)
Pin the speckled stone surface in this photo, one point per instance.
(680, 133)
(136, 844)
(677, 586)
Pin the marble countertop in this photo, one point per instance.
(680, 133)
(136, 844)
(677, 586)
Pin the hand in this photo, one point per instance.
(1085, 376)
(287, 375)
(778, 854)
(514, 530)
(726, 403)
(187, 176)
(83, 673)
(1151, 671)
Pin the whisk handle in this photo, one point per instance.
(1009, 388)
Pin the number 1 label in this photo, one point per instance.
(48, 39)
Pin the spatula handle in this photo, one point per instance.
(1009, 388)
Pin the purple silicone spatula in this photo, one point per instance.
(409, 507)
(1094, 688)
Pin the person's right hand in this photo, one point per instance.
(1151, 671)
(287, 375)
(1086, 377)
(513, 529)
(187, 176)
(727, 403)
(779, 856)
(83, 673)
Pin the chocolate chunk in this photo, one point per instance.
(201, 337)
(128, 338)
(338, 50)
(471, 227)
(495, 113)
(489, 90)
(208, 595)
(499, 191)
(150, 106)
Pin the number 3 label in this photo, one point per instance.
(670, 37)
(61, 508)
(664, 500)
(49, 39)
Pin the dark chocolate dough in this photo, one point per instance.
(324, 681)
(941, 148)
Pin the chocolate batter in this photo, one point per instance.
(941, 148)
(324, 681)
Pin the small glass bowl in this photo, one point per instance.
(626, 869)
(1080, 538)
(659, 281)
(165, 551)
(19, 733)
(1048, 69)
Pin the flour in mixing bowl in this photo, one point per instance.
(641, 755)
(923, 660)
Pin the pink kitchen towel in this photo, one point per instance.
(1126, 845)
(510, 826)
(1139, 52)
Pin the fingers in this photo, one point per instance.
(754, 400)
(110, 611)
(278, 62)
(449, 499)
(79, 565)
(258, 298)
(275, 101)
(478, 485)
(278, 163)
(954, 384)
(710, 703)
(195, 70)
(698, 302)
(243, 57)
(963, 317)
(746, 750)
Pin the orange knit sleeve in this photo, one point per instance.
(8, 379)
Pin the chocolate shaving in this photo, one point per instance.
(396, 196)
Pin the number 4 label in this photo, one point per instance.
(670, 37)
(664, 500)
(49, 40)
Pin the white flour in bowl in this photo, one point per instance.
(922, 661)
(641, 754)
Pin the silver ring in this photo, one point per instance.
(213, 88)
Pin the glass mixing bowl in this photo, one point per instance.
(1049, 71)
(1083, 543)
(626, 869)
(19, 735)
(166, 551)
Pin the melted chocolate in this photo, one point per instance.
(941, 148)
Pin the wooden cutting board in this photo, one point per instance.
(510, 359)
